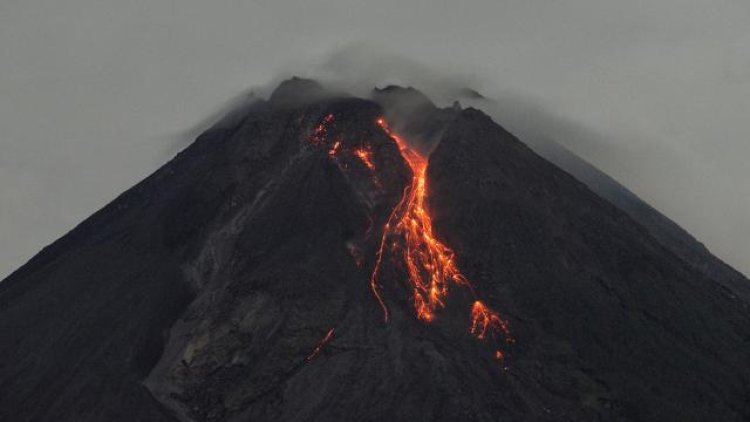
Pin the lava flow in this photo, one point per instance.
(365, 155)
(430, 264)
(320, 132)
(484, 319)
(322, 343)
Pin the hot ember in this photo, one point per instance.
(365, 155)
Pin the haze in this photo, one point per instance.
(95, 95)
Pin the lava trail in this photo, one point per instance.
(320, 345)
(408, 235)
(430, 264)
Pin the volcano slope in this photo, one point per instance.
(249, 279)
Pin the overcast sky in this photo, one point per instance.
(96, 94)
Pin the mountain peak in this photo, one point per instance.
(313, 261)
(296, 90)
(402, 97)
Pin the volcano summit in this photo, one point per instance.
(321, 257)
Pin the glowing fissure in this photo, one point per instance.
(320, 346)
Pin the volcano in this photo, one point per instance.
(322, 257)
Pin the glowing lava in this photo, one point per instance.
(322, 343)
(365, 155)
(320, 132)
(484, 319)
(430, 264)
(408, 234)
(335, 148)
(499, 354)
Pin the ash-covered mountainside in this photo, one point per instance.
(666, 231)
(319, 257)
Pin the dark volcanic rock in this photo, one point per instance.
(605, 314)
(233, 285)
(666, 231)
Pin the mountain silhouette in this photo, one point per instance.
(321, 257)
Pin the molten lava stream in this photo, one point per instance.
(430, 263)
(320, 345)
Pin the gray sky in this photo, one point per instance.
(96, 94)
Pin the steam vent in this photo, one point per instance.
(321, 257)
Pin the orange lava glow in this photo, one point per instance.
(365, 155)
(484, 319)
(431, 264)
(335, 148)
(318, 136)
(320, 346)
(408, 236)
